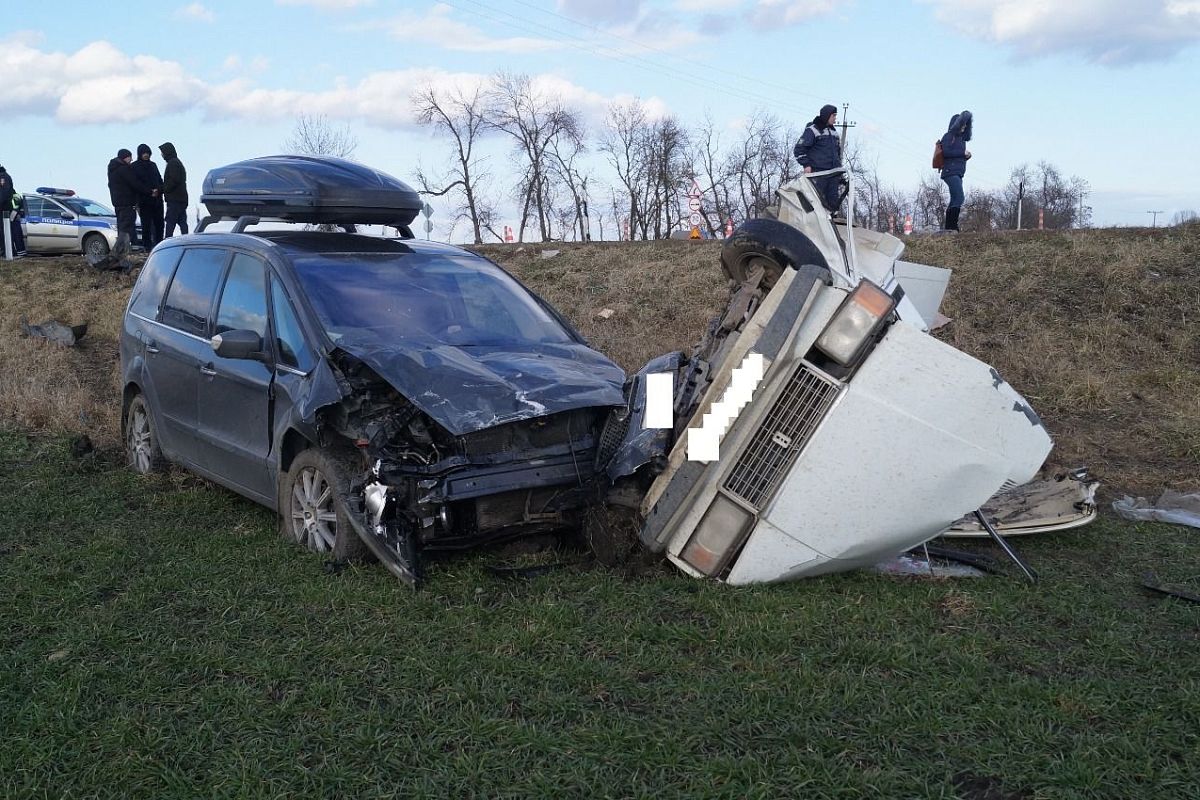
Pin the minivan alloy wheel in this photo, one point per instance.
(140, 439)
(312, 513)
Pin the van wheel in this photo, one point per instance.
(95, 246)
(311, 511)
(772, 245)
(141, 439)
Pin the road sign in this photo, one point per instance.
(427, 210)
(429, 226)
(694, 219)
(694, 204)
(695, 192)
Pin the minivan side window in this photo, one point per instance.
(189, 300)
(289, 338)
(244, 299)
(148, 291)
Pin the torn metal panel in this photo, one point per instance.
(641, 445)
(1057, 504)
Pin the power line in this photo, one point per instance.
(524, 24)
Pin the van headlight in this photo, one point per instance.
(853, 325)
(717, 537)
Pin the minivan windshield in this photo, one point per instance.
(372, 299)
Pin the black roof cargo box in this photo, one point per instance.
(313, 189)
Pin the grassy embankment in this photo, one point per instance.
(157, 640)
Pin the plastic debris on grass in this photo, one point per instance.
(1171, 506)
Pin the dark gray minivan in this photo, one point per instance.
(385, 396)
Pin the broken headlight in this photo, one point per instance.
(855, 323)
(718, 535)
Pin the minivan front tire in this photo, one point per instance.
(311, 511)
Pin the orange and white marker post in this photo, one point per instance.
(907, 224)
(1041, 219)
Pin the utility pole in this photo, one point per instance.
(1020, 197)
(1154, 218)
(844, 125)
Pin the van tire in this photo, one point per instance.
(769, 244)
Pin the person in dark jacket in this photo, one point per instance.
(174, 190)
(125, 190)
(954, 165)
(150, 209)
(10, 214)
(820, 149)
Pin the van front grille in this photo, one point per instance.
(784, 432)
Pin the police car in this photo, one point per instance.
(59, 221)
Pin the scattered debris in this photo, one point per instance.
(1150, 581)
(915, 566)
(81, 446)
(1173, 507)
(58, 655)
(1063, 502)
(605, 313)
(550, 253)
(115, 259)
(54, 331)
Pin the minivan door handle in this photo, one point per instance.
(208, 369)
(151, 346)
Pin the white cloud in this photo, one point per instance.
(774, 14)
(1111, 32)
(326, 5)
(706, 6)
(601, 10)
(438, 27)
(196, 12)
(97, 83)
(101, 84)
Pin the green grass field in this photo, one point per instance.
(158, 639)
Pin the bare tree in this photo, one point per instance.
(533, 121)
(461, 115)
(710, 172)
(665, 149)
(564, 154)
(315, 135)
(929, 204)
(760, 163)
(621, 139)
(1184, 217)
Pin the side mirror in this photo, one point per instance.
(68, 215)
(239, 344)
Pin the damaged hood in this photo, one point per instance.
(470, 388)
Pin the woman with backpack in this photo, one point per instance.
(954, 163)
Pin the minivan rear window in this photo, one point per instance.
(148, 291)
(189, 300)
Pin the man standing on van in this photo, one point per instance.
(820, 149)
(174, 190)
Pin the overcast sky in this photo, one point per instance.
(1104, 89)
